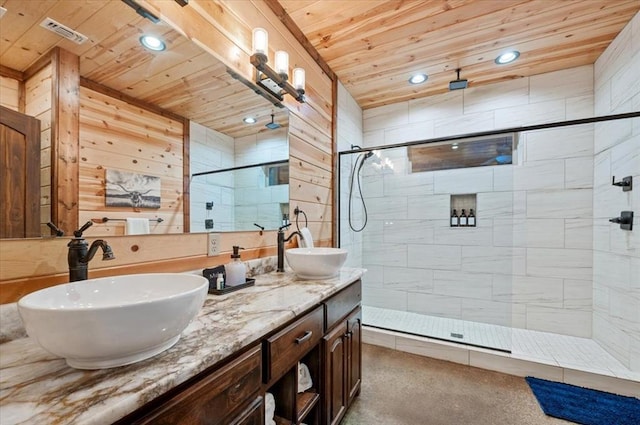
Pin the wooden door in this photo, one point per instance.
(19, 175)
(354, 354)
(334, 388)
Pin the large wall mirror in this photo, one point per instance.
(237, 171)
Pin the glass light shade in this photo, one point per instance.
(260, 41)
(298, 78)
(282, 62)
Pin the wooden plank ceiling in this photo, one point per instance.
(372, 45)
(375, 45)
(183, 79)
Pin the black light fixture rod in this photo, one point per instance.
(259, 61)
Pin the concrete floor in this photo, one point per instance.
(404, 389)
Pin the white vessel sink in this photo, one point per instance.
(113, 321)
(316, 263)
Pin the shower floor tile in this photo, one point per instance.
(569, 352)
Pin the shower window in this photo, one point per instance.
(277, 175)
(465, 153)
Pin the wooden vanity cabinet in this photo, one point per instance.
(283, 351)
(342, 348)
(333, 359)
(327, 339)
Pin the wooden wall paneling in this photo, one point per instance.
(308, 152)
(10, 93)
(21, 274)
(65, 128)
(37, 98)
(8, 72)
(301, 128)
(115, 134)
(304, 171)
(302, 190)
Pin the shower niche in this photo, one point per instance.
(463, 210)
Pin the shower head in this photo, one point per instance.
(272, 125)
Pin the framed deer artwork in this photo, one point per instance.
(125, 189)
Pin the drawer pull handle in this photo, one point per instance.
(304, 337)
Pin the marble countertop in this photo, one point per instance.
(39, 388)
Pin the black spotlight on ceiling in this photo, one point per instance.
(458, 83)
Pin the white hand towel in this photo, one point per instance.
(307, 239)
(304, 378)
(269, 409)
(137, 226)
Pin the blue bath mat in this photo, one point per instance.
(583, 405)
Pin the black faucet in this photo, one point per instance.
(281, 242)
(80, 253)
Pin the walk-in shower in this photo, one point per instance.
(524, 263)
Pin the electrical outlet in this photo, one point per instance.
(213, 244)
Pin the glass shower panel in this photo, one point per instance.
(425, 277)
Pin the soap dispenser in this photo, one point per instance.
(236, 271)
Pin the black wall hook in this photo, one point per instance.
(626, 183)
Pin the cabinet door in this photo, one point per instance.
(335, 389)
(354, 354)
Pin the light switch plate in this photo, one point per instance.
(213, 244)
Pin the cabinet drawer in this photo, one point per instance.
(342, 303)
(213, 398)
(283, 349)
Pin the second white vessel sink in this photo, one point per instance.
(316, 263)
(113, 321)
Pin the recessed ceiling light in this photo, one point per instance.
(418, 78)
(152, 43)
(249, 120)
(454, 146)
(507, 57)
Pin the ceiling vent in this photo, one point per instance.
(63, 31)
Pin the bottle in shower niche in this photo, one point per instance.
(471, 220)
(463, 219)
(455, 219)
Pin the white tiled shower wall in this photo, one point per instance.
(255, 202)
(528, 263)
(240, 198)
(616, 292)
(210, 150)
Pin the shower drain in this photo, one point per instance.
(456, 335)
